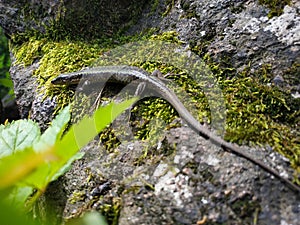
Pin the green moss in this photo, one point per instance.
(148, 110)
(109, 139)
(170, 5)
(292, 74)
(258, 113)
(55, 58)
(169, 36)
(111, 211)
(77, 196)
(275, 6)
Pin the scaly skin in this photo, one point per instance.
(127, 74)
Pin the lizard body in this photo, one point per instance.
(127, 74)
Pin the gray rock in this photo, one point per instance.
(25, 86)
(34, 16)
(197, 181)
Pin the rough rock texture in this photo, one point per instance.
(15, 15)
(192, 182)
(24, 84)
(71, 16)
(187, 180)
(238, 30)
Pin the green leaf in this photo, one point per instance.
(67, 166)
(17, 136)
(11, 216)
(51, 135)
(16, 167)
(6, 82)
(18, 196)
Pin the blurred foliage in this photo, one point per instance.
(29, 161)
(5, 81)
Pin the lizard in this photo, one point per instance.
(127, 74)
